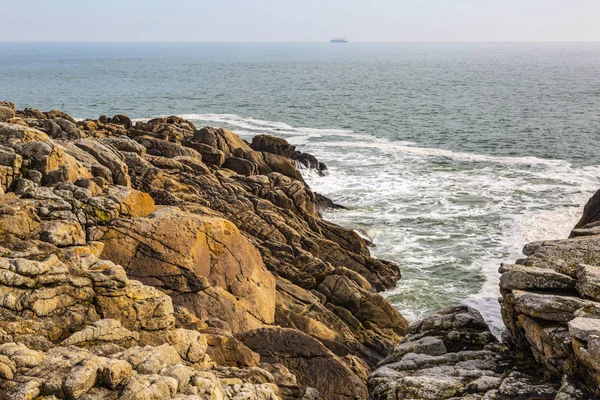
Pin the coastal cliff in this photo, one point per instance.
(155, 260)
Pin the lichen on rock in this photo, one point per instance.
(158, 260)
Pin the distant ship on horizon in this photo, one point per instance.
(339, 40)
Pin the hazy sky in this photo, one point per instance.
(300, 20)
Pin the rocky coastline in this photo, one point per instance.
(157, 260)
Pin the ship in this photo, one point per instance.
(339, 40)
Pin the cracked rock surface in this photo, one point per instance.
(156, 260)
(551, 348)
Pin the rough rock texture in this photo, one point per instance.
(73, 325)
(155, 260)
(551, 347)
(453, 355)
(312, 363)
(590, 217)
(275, 145)
(204, 263)
(551, 302)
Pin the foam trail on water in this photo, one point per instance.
(448, 219)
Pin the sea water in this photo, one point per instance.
(449, 157)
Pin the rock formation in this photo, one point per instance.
(156, 260)
(551, 302)
(453, 355)
(551, 347)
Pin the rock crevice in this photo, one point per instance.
(156, 260)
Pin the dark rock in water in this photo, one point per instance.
(591, 215)
(275, 145)
(325, 203)
(309, 161)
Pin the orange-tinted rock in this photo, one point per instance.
(204, 262)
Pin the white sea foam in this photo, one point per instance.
(447, 218)
(144, 119)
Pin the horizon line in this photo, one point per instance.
(297, 42)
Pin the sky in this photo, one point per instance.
(300, 20)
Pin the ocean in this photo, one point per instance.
(449, 157)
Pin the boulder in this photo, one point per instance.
(272, 144)
(62, 233)
(57, 114)
(588, 281)
(17, 219)
(125, 144)
(452, 355)
(108, 157)
(221, 139)
(584, 328)
(204, 262)
(241, 166)
(132, 203)
(163, 148)
(209, 154)
(31, 113)
(173, 129)
(364, 307)
(121, 119)
(6, 114)
(591, 211)
(13, 135)
(57, 128)
(521, 277)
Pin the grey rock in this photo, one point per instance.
(588, 281)
(523, 277)
(582, 328)
(547, 306)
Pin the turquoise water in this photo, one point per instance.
(450, 156)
